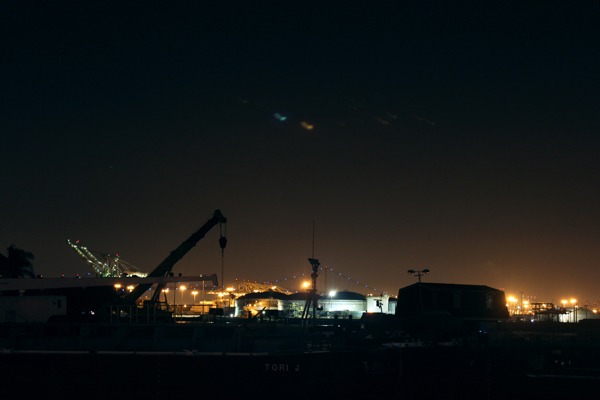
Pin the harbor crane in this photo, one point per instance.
(112, 266)
(165, 267)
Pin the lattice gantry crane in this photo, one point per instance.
(112, 266)
(244, 287)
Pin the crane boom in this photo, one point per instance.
(112, 267)
(100, 268)
(167, 264)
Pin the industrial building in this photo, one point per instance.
(449, 310)
(341, 304)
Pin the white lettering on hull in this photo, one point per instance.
(282, 367)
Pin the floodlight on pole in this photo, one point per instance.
(182, 289)
(418, 273)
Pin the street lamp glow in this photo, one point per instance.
(332, 293)
(182, 289)
(514, 304)
(306, 284)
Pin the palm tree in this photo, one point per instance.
(19, 263)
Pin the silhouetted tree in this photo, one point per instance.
(19, 263)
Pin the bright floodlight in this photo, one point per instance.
(332, 293)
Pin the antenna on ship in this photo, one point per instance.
(313, 247)
(312, 293)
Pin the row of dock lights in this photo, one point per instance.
(165, 290)
(516, 309)
(119, 286)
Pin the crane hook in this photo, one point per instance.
(222, 239)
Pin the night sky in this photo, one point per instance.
(460, 138)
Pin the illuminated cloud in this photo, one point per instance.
(425, 120)
(306, 125)
(381, 121)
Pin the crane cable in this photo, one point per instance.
(222, 244)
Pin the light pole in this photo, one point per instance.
(202, 291)
(573, 302)
(513, 301)
(165, 291)
(331, 294)
(419, 273)
(194, 293)
(521, 306)
(182, 289)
